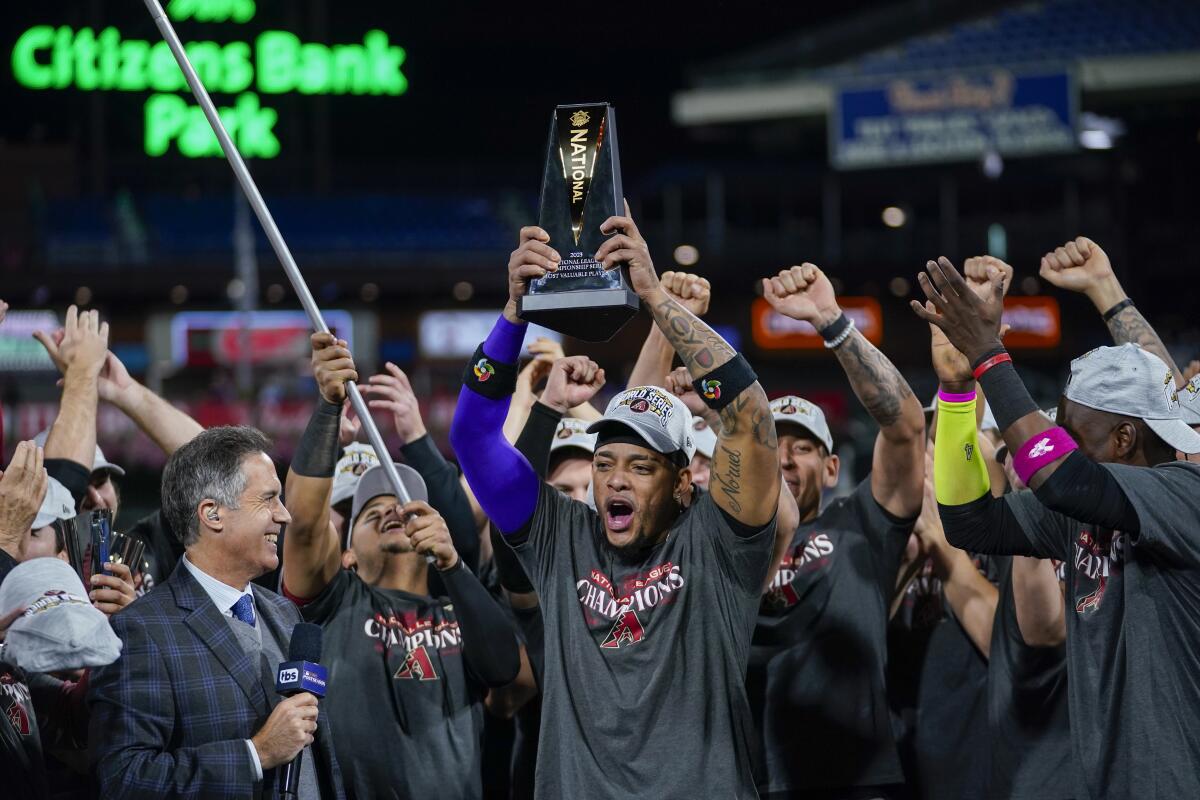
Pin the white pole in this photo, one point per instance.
(276, 238)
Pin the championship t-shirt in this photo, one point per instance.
(1133, 624)
(820, 651)
(1030, 732)
(645, 660)
(406, 713)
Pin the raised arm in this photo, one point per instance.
(745, 470)
(1082, 266)
(804, 293)
(657, 355)
(504, 483)
(311, 549)
(80, 356)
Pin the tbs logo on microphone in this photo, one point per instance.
(301, 676)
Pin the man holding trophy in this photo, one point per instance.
(649, 605)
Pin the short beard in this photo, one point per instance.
(394, 548)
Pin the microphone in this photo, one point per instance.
(302, 672)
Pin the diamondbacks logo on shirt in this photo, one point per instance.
(805, 557)
(417, 637)
(1097, 557)
(15, 701)
(640, 594)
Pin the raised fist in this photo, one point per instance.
(679, 383)
(803, 293)
(977, 270)
(690, 291)
(573, 381)
(1078, 266)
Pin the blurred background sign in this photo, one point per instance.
(19, 351)
(211, 338)
(1035, 321)
(952, 117)
(456, 334)
(775, 331)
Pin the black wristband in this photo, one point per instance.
(488, 377)
(835, 329)
(718, 388)
(1117, 309)
(316, 453)
(1006, 394)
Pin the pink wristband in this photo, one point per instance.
(1040, 450)
(947, 397)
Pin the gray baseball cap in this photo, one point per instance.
(655, 415)
(1133, 382)
(60, 628)
(1189, 401)
(374, 483)
(98, 463)
(706, 440)
(572, 432)
(57, 504)
(356, 459)
(793, 410)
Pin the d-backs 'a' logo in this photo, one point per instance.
(1097, 557)
(483, 370)
(417, 665)
(624, 615)
(14, 698)
(580, 118)
(711, 389)
(18, 718)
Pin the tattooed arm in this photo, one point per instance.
(745, 468)
(1081, 266)
(655, 359)
(898, 467)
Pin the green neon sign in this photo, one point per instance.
(275, 62)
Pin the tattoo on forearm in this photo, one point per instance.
(750, 408)
(698, 345)
(729, 479)
(879, 385)
(1130, 326)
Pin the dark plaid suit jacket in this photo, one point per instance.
(170, 717)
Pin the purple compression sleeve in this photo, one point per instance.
(503, 481)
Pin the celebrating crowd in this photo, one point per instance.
(656, 600)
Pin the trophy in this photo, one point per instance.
(581, 187)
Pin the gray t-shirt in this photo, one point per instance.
(1133, 628)
(644, 662)
(1029, 746)
(820, 651)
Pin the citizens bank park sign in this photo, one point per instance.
(251, 71)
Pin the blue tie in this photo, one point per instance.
(243, 609)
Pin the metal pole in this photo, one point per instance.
(246, 268)
(272, 230)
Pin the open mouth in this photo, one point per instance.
(273, 538)
(394, 525)
(618, 515)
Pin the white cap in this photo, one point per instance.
(572, 432)
(98, 463)
(1133, 382)
(1189, 401)
(798, 411)
(655, 415)
(57, 504)
(706, 440)
(60, 628)
(356, 459)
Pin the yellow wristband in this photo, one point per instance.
(959, 474)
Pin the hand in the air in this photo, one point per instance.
(629, 248)
(573, 381)
(428, 533)
(1078, 266)
(82, 344)
(679, 383)
(975, 270)
(534, 258)
(393, 393)
(803, 293)
(332, 366)
(23, 486)
(545, 352)
(690, 291)
(971, 323)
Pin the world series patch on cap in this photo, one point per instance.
(655, 415)
(792, 410)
